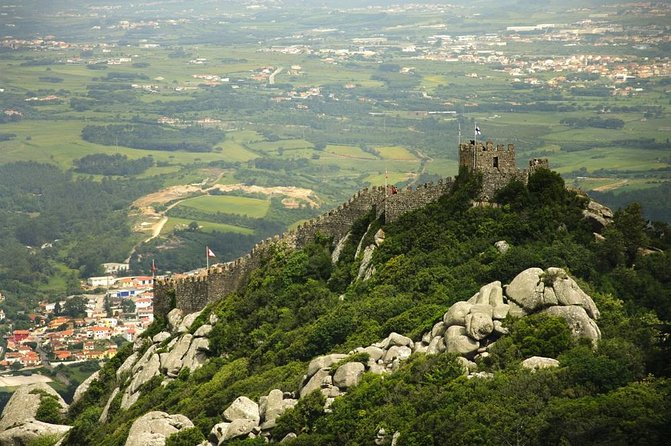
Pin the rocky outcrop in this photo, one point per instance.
(18, 425)
(153, 428)
(323, 362)
(147, 367)
(502, 246)
(24, 403)
(196, 355)
(168, 354)
(335, 256)
(127, 365)
(245, 417)
(243, 408)
(598, 215)
(175, 319)
(83, 387)
(160, 337)
(29, 431)
(187, 322)
(534, 289)
(272, 406)
(579, 322)
(365, 269)
(105, 412)
(539, 362)
(470, 327)
(171, 362)
(348, 375)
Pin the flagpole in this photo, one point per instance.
(475, 134)
(207, 256)
(153, 276)
(385, 194)
(459, 132)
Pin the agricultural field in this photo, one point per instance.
(206, 226)
(250, 207)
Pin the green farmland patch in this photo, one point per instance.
(228, 204)
(206, 226)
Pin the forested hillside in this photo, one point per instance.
(300, 305)
(57, 229)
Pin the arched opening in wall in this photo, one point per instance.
(496, 161)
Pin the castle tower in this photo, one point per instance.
(496, 164)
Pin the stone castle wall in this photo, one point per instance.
(194, 293)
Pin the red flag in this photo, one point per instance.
(210, 253)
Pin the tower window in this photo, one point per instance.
(496, 161)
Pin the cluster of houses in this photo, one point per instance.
(117, 309)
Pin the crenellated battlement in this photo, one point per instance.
(193, 293)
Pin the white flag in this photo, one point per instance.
(210, 253)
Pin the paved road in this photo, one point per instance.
(271, 79)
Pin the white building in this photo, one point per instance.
(115, 268)
(102, 281)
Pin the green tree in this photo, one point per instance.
(303, 416)
(49, 410)
(630, 222)
(128, 306)
(75, 306)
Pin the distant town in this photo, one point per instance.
(113, 310)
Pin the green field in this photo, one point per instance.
(228, 204)
(396, 153)
(205, 226)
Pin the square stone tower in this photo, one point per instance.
(496, 163)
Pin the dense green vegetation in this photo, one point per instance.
(153, 137)
(102, 164)
(289, 313)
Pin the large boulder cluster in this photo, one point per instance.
(166, 354)
(470, 327)
(18, 425)
(250, 419)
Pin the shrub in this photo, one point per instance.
(301, 418)
(541, 335)
(185, 437)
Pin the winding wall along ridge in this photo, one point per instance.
(194, 293)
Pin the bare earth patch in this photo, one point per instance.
(153, 221)
(15, 381)
(306, 195)
(610, 186)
